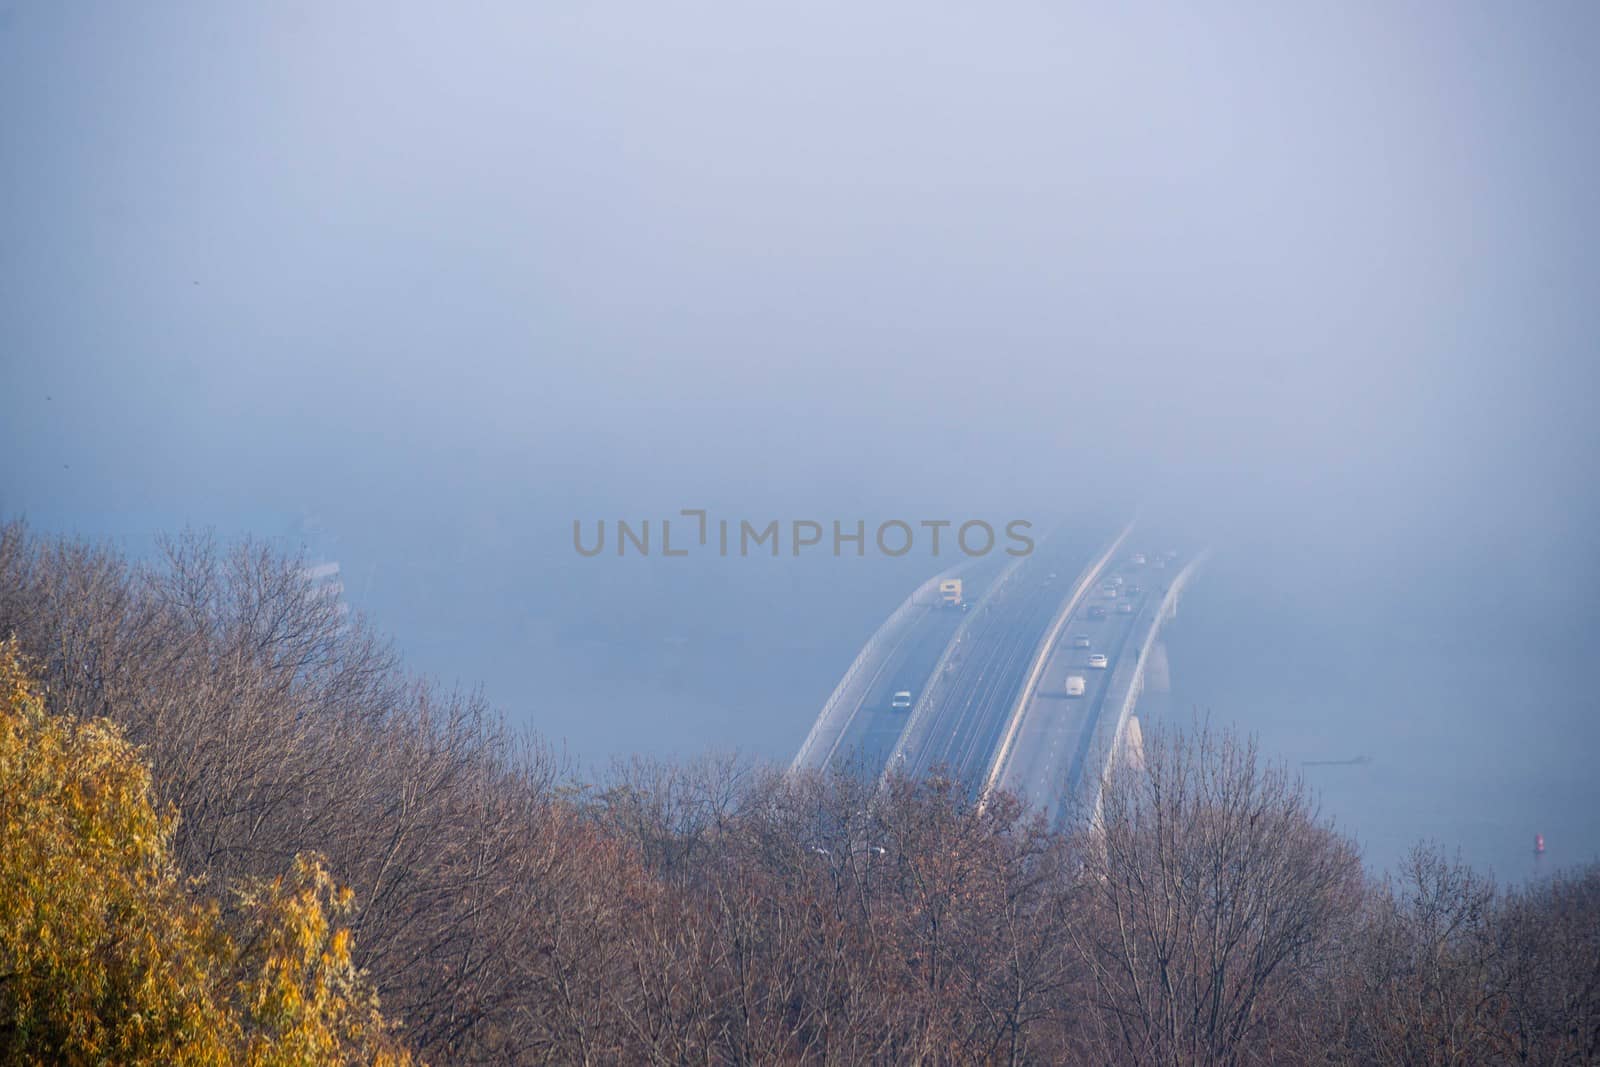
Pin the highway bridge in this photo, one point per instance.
(1031, 690)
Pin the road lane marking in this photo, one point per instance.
(1047, 648)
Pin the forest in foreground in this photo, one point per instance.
(238, 830)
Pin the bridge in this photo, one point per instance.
(1032, 689)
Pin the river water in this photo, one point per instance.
(1473, 716)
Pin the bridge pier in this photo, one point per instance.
(1158, 672)
(1130, 753)
(1114, 733)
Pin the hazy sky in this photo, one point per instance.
(461, 273)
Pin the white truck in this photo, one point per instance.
(1075, 685)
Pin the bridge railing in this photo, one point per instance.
(819, 745)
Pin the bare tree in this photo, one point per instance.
(1206, 882)
(1546, 972)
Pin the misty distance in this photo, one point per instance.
(1136, 602)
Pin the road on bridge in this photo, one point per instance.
(968, 710)
(1055, 746)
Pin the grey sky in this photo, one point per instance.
(1290, 271)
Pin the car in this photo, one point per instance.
(1125, 608)
(901, 700)
(1080, 641)
(1134, 589)
(1097, 611)
(1097, 660)
(1108, 590)
(1075, 685)
(1138, 559)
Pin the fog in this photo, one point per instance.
(418, 289)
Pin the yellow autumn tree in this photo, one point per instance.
(108, 955)
(305, 1001)
(103, 958)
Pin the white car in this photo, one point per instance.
(1075, 685)
(901, 700)
(1126, 607)
(1080, 641)
(1097, 660)
(1138, 559)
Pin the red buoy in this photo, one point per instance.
(1538, 843)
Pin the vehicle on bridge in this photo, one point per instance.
(1097, 611)
(901, 701)
(1097, 660)
(1075, 684)
(1080, 641)
(1138, 559)
(1125, 608)
(950, 594)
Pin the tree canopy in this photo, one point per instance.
(109, 954)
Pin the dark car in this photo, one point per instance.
(1097, 611)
